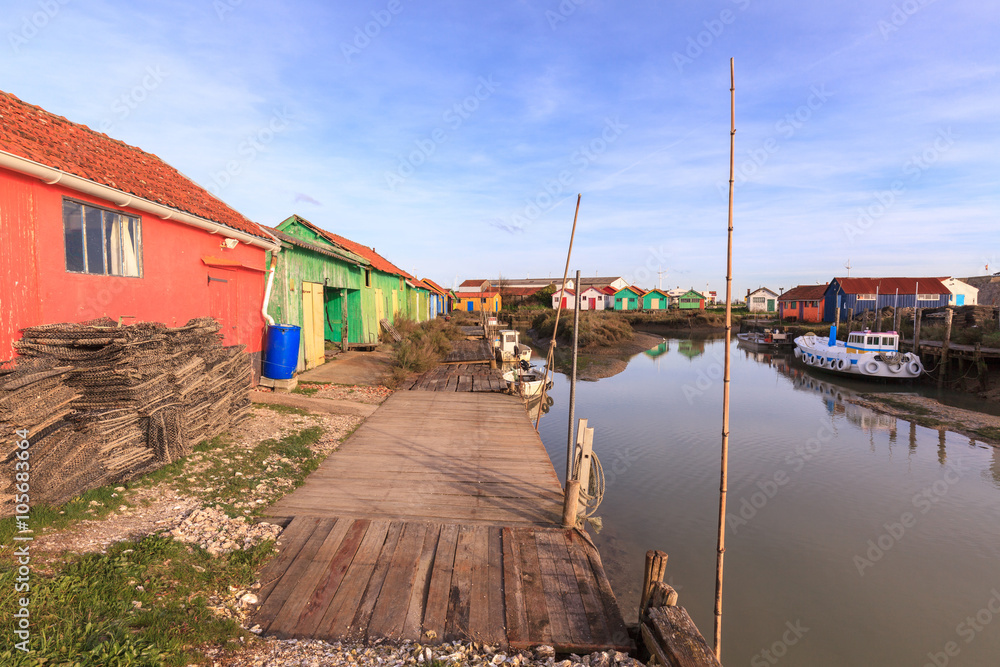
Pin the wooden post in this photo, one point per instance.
(942, 371)
(570, 503)
(344, 332)
(850, 318)
(981, 369)
(836, 318)
(656, 565)
(570, 453)
(878, 315)
(586, 454)
(916, 330)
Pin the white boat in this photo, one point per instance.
(865, 353)
(509, 348)
(763, 339)
(526, 382)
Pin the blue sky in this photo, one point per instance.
(454, 136)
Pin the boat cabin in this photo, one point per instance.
(508, 342)
(860, 342)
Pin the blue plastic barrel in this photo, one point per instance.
(281, 352)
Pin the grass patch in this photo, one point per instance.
(93, 611)
(988, 432)
(424, 345)
(597, 328)
(94, 504)
(283, 409)
(305, 391)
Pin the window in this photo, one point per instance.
(866, 297)
(759, 300)
(368, 277)
(872, 340)
(101, 241)
(792, 304)
(927, 297)
(888, 340)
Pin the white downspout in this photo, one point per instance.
(267, 290)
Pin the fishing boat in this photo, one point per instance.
(758, 339)
(872, 354)
(508, 347)
(526, 381)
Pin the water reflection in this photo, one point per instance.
(842, 479)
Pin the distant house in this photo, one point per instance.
(609, 297)
(711, 297)
(861, 294)
(600, 282)
(762, 300)
(655, 299)
(91, 227)
(803, 303)
(691, 300)
(518, 295)
(474, 286)
(628, 298)
(489, 302)
(564, 299)
(962, 293)
(440, 300)
(592, 298)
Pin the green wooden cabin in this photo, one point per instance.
(628, 298)
(691, 300)
(655, 299)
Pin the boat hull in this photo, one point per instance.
(817, 353)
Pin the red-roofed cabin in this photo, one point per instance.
(803, 303)
(92, 227)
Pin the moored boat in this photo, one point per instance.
(767, 338)
(873, 354)
(509, 348)
(526, 382)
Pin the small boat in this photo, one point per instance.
(755, 337)
(526, 382)
(508, 347)
(873, 354)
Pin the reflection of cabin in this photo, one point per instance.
(691, 347)
(658, 351)
(803, 303)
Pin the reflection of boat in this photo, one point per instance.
(526, 381)
(865, 354)
(509, 348)
(534, 403)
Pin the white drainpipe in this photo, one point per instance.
(267, 290)
(123, 199)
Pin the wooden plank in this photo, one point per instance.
(562, 588)
(612, 614)
(338, 617)
(516, 617)
(540, 625)
(366, 605)
(327, 588)
(413, 624)
(290, 542)
(479, 593)
(393, 601)
(592, 605)
(457, 626)
(672, 629)
(293, 573)
(287, 620)
(439, 590)
(496, 625)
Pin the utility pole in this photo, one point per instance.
(659, 275)
(848, 267)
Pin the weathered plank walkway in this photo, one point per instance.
(461, 377)
(438, 519)
(470, 351)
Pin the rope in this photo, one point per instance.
(593, 495)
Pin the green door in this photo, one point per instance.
(770, 305)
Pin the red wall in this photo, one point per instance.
(174, 287)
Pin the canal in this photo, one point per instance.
(853, 538)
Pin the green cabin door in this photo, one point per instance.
(770, 305)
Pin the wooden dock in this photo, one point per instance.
(438, 519)
(460, 377)
(477, 351)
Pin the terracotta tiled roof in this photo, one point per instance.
(522, 291)
(609, 290)
(472, 283)
(33, 133)
(804, 293)
(890, 285)
(377, 261)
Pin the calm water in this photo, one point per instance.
(877, 540)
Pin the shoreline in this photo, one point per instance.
(931, 413)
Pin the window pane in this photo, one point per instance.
(131, 247)
(73, 235)
(94, 238)
(112, 242)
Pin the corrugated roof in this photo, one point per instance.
(804, 293)
(434, 286)
(30, 132)
(336, 253)
(890, 285)
(376, 260)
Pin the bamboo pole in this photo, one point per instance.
(721, 551)
(555, 328)
(570, 453)
(943, 363)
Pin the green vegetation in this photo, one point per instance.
(142, 603)
(597, 328)
(988, 432)
(424, 345)
(283, 409)
(94, 504)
